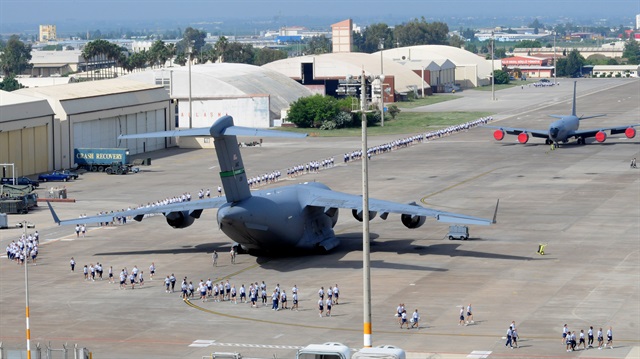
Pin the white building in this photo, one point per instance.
(93, 114)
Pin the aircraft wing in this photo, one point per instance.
(592, 132)
(332, 199)
(139, 213)
(517, 131)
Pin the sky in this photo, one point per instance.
(127, 11)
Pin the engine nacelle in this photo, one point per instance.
(411, 221)
(601, 136)
(630, 132)
(523, 137)
(498, 135)
(358, 215)
(180, 219)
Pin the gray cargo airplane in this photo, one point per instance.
(280, 220)
(564, 129)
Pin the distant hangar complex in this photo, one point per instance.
(40, 126)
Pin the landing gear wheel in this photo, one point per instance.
(547, 141)
(581, 141)
(450, 238)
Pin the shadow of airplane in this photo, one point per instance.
(349, 243)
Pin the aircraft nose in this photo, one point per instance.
(553, 132)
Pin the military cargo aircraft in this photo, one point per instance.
(562, 130)
(278, 220)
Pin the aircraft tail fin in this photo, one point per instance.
(223, 131)
(573, 107)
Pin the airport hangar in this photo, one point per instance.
(423, 70)
(90, 114)
(255, 96)
(93, 114)
(25, 124)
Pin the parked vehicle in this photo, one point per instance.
(458, 232)
(20, 181)
(73, 174)
(99, 159)
(330, 350)
(55, 176)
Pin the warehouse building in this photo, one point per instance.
(324, 73)
(471, 70)
(253, 95)
(93, 114)
(26, 133)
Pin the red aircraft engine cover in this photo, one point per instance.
(601, 136)
(630, 132)
(523, 138)
(498, 135)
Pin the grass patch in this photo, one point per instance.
(513, 83)
(405, 123)
(426, 101)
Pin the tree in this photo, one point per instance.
(9, 84)
(471, 47)
(420, 32)
(221, 48)
(15, 57)
(500, 77)
(192, 38)
(631, 52)
(373, 35)
(527, 44)
(319, 45)
(267, 55)
(468, 34)
(456, 41)
(536, 25)
(158, 53)
(575, 61)
(312, 111)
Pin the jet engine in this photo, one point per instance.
(182, 219)
(523, 137)
(498, 135)
(411, 221)
(630, 132)
(358, 215)
(601, 136)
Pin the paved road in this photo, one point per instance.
(582, 201)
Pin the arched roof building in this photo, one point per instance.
(471, 70)
(253, 95)
(322, 73)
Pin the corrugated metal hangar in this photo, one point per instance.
(26, 125)
(93, 114)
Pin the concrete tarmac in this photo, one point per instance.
(583, 202)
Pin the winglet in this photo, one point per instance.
(53, 213)
(495, 213)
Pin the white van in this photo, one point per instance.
(330, 350)
(380, 352)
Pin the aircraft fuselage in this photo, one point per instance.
(276, 221)
(563, 129)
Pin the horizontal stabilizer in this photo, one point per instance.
(592, 116)
(221, 127)
(257, 132)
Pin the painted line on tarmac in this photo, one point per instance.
(204, 343)
(424, 199)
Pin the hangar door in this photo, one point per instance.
(27, 148)
(104, 132)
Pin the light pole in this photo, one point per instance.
(381, 100)
(493, 71)
(366, 265)
(26, 290)
(381, 47)
(555, 77)
(189, 52)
